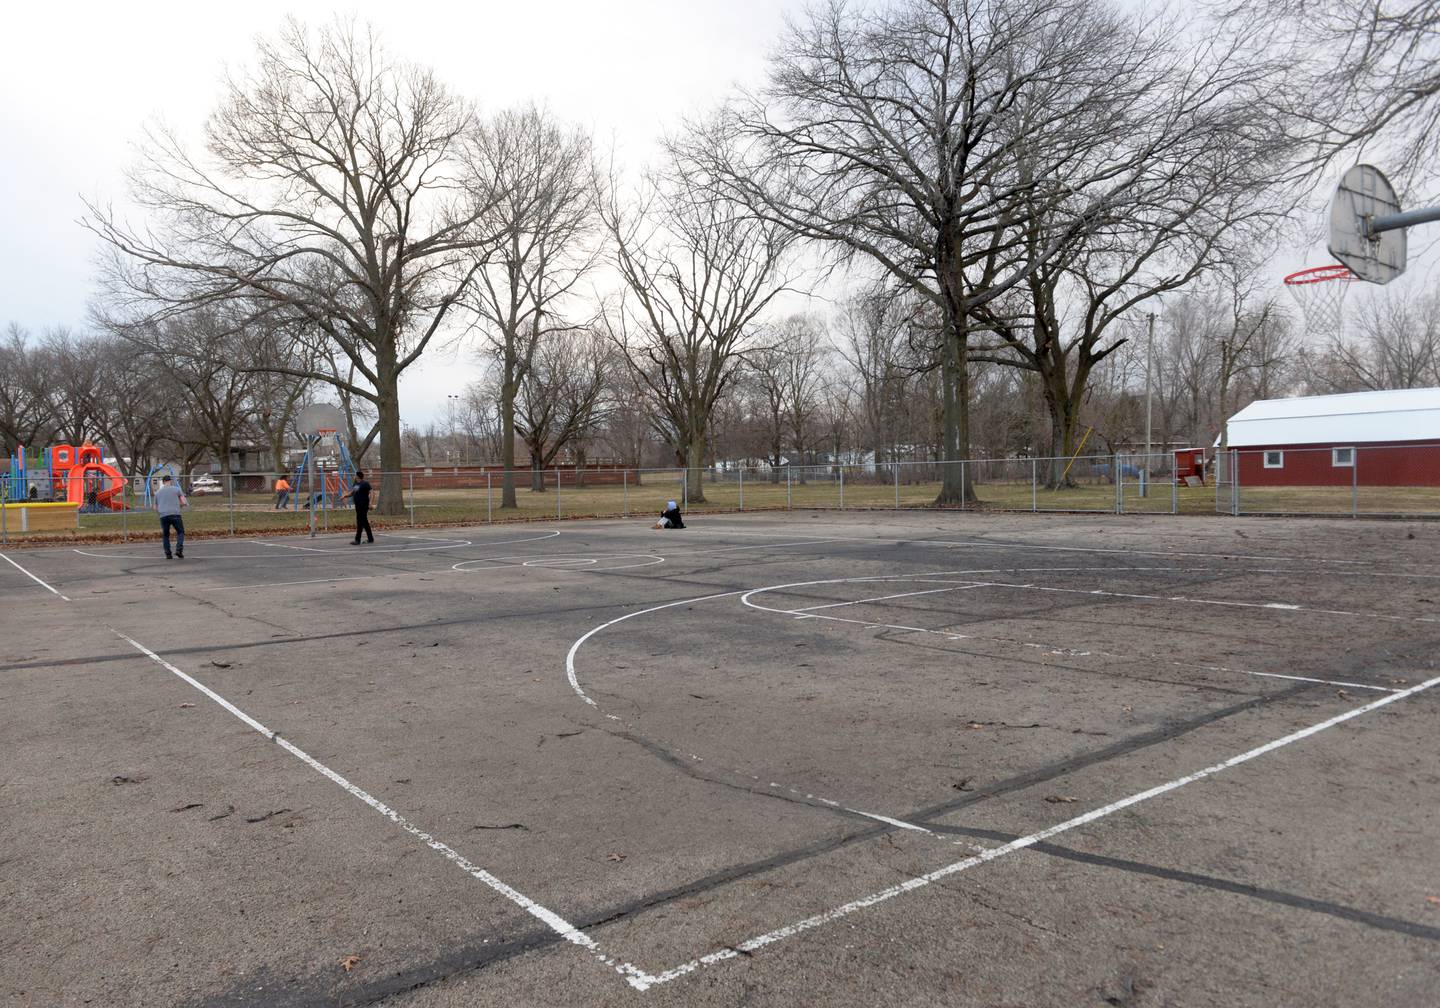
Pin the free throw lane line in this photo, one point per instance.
(751, 945)
(32, 577)
(636, 977)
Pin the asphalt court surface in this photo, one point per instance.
(810, 758)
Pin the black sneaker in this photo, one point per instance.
(180, 555)
(169, 557)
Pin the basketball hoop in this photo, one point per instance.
(1320, 291)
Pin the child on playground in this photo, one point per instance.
(168, 502)
(670, 518)
(282, 493)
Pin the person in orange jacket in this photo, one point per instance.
(282, 493)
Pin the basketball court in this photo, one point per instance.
(862, 758)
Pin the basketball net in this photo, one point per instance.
(1320, 291)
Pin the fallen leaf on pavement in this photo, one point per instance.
(1056, 799)
(614, 857)
(350, 962)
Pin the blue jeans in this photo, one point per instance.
(173, 521)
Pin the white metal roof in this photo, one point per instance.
(1354, 417)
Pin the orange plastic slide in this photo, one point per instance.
(111, 493)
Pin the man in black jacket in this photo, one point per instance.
(360, 492)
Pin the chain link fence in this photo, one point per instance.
(1401, 480)
(1371, 481)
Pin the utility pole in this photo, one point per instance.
(454, 450)
(1149, 367)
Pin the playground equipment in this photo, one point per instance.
(81, 476)
(152, 479)
(320, 425)
(63, 474)
(24, 479)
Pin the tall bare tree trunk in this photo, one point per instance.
(695, 467)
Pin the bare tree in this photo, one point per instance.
(544, 221)
(329, 197)
(925, 135)
(27, 415)
(872, 326)
(202, 350)
(1362, 73)
(561, 397)
(698, 273)
(1396, 345)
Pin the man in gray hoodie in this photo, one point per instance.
(168, 502)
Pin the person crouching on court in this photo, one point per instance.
(360, 493)
(168, 502)
(670, 517)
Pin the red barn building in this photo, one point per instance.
(1389, 438)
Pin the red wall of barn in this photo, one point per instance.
(1409, 463)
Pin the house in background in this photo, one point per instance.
(1389, 438)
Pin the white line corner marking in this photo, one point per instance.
(32, 577)
(636, 977)
(770, 937)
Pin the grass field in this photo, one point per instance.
(439, 506)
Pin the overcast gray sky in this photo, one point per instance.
(81, 80)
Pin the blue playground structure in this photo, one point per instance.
(155, 471)
(330, 484)
(27, 477)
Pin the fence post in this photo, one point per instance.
(787, 489)
(232, 505)
(125, 511)
(1119, 486)
(412, 499)
(625, 489)
(742, 487)
(1035, 485)
(1174, 488)
(685, 489)
(1354, 482)
(964, 488)
(1234, 482)
(4, 510)
(842, 488)
(896, 466)
(557, 494)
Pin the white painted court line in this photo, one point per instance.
(552, 920)
(307, 549)
(634, 976)
(1188, 600)
(748, 599)
(758, 942)
(882, 598)
(32, 577)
